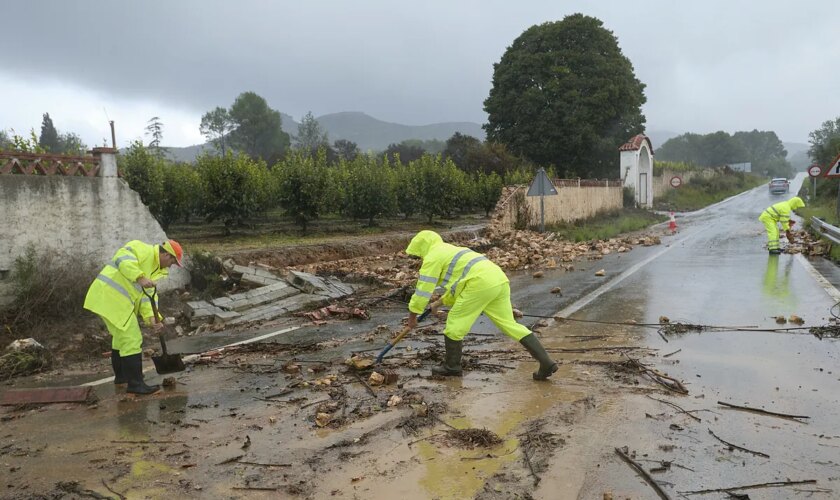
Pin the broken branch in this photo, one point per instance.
(675, 406)
(749, 487)
(763, 412)
(641, 471)
(727, 443)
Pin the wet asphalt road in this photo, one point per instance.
(716, 271)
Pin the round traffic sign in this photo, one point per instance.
(676, 181)
(814, 170)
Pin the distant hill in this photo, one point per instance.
(797, 155)
(369, 133)
(372, 134)
(658, 137)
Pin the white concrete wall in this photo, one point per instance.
(78, 217)
(570, 204)
(633, 163)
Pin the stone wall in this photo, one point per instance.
(76, 217)
(575, 200)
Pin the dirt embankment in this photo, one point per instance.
(349, 248)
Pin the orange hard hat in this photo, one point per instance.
(172, 247)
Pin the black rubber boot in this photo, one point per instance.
(116, 364)
(547, 365)
(451, 366)
(133, 370)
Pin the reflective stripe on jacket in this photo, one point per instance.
(114, 294)
(449, 267)
(780, 212)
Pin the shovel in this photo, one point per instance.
(165, 363)
(404, 332)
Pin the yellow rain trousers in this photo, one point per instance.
(116, 297)
(778, 213)
(472, 284)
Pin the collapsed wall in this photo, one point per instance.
(78, 217)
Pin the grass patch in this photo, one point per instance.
(702, 192)
(608, 225)
(824, 205)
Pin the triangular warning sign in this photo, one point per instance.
(833, 169)
(541, 185)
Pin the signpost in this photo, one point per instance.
(676, 181)
(814, 171)
(541, 186)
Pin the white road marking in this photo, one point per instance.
(830, 289)
(193, 357)
(583, 301)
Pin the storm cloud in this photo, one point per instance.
(707, 66)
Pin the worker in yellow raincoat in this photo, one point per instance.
(472, 285)
(116, 295)
(776, 214)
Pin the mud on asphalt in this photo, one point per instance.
(291, 417)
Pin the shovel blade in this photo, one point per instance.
(168, 363)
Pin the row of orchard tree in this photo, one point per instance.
(235, 188)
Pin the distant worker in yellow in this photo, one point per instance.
(472, 285)
(116, 295)
(776, 214)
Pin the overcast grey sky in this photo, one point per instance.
(711, 65)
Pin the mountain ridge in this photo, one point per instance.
(369, 133)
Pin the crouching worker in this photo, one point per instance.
(779, 213)
(116, 296)
(472, 285)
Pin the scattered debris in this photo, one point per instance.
(600, 272)
(623, 453)
(24, 357)
(394, 401)
(169, 382)
(796, 320)
(557, 290)
(780, 320)
(470, 438)
(359, 362)
(763, 412)
(376, 378)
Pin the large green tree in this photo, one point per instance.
(825, 142)
(564, 94)
(257, 129)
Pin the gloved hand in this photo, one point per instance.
(790, 224)
(789, 236)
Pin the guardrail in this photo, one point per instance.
(826, 230)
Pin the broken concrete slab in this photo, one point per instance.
(279, 308)
(255, 297)
(328, 287)
(202, 312)
(256, 275)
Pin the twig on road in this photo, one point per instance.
(677, 407)
(763, 412)
(748, 487)
(727, 443)
(641, 471)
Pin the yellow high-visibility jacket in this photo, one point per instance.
(450, 267)
(780, 212)
(115, 295)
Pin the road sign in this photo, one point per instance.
(676, 181)
(814, 170)
(833, 169)
(541, 185)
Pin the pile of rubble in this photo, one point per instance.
(808, 244)
(511, 250)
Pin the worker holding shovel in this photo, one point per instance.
(472, 285)
(117, 296)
